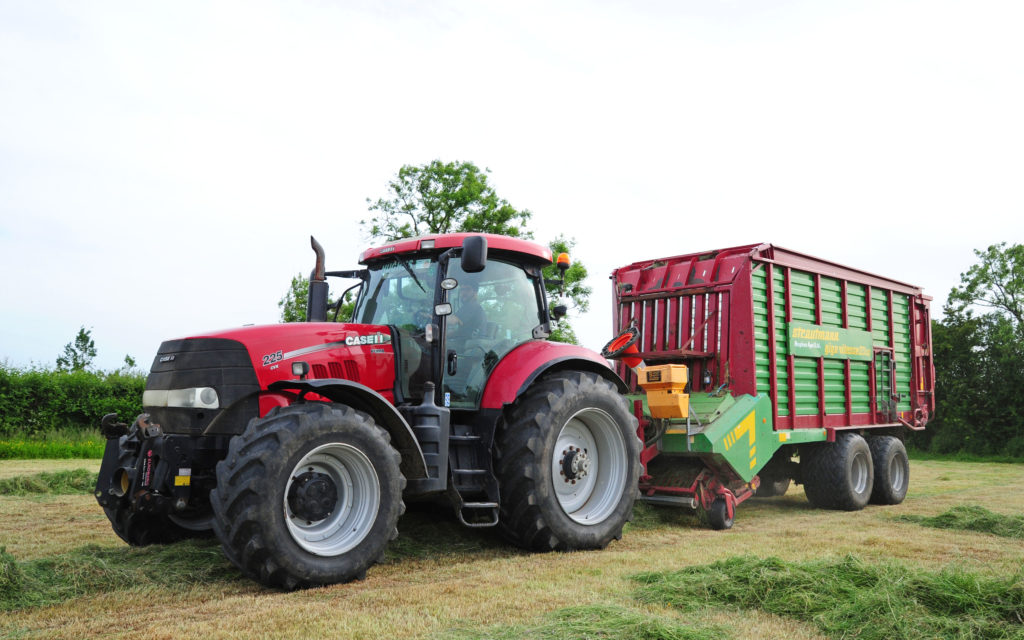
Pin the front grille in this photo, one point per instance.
(222, 364)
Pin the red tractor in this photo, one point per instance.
(297, 444)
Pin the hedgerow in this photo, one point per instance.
(37, 401)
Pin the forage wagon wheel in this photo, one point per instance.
(568, 462)
(838, 475)
(718, 516)
(892, 470)
(136, 528)
(310, 494)
(772, 487)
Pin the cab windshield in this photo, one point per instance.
(398, 292)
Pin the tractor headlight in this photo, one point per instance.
(192, 398)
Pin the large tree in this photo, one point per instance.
(995, 283)
(979, 359)
(293, 304)
(450, 197)
(575, 292)
(442, 197)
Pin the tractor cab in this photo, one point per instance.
(457, 304)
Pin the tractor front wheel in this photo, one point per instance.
(568, 464)
(308, 495)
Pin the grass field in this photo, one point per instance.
(66, 575)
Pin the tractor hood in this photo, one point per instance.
(274, 347)
(238, 363)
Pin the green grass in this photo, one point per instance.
(973, 518)
(596, 622)
(851, 598)
(918, 454)
(58, 444)
(93, 570)
(55, 483)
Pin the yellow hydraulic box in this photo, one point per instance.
(664, 385)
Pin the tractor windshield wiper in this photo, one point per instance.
(405, 264)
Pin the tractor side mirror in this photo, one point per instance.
(559, 311)
(474, 254)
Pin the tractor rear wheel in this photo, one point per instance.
(568, 462)
(310, 494)
(892, 469)
(838, 475)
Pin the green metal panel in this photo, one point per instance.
(781, 349)
(805, 369)
(860, 372)
(759, 295)
(759, 286)
(734, 431)
(880, 317)
(901, 338)
(829, 341)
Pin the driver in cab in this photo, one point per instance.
(469, 318)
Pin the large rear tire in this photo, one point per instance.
(308, 495)
(838, 475)
(568, 462)
(892, 470)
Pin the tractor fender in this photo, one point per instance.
(365, 399)
(530, 360)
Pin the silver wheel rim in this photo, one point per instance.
(591, 445)
(356, 507)
(896, 474)
(859, 473)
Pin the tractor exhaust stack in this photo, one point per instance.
(316, 302)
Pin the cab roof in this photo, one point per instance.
(525, 248)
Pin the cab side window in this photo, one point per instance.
(492, 312)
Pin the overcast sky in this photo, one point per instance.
(163, 164)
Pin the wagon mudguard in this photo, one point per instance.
(527, 362)
(367, 400)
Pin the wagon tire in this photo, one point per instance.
(838, 475)
(892, 470)
(718, 515)
(567, 459)
(308, 495)
(772, 487)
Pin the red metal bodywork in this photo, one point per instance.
(324, 345)
(526, 362)
(698, 309)
(523, 248)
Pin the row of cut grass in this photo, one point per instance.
(962, 456)
(849, 597)
(973, 518)
(57, 482)
(93, 569)
(596, 621)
